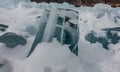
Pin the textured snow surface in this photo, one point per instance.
(53, 56)
(93, 56)
(23, 16)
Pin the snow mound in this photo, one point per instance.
(93, 56)
(23, 18)
(53, 56)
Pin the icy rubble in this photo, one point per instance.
(54, 57)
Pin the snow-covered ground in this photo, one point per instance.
(23, 18)
(93, 55)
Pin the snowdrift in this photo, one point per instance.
(98, 47)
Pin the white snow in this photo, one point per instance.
(23, 17)
(94, 58)
(52, 55)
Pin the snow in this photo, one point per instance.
(23, 18)
(10, 4)
(55, 56)
(94, 58)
